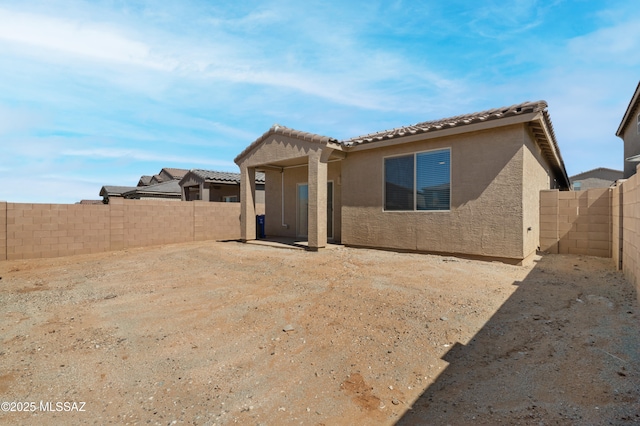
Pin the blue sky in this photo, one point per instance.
(102, 92)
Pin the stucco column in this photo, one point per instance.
(317, 220)
(247, 203)
(204, 192)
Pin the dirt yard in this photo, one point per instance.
(221, 333)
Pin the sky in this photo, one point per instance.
(101, 92)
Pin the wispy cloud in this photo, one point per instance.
(146, 156)
(92, 40)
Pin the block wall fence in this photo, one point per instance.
(30, 231)
(596, 222)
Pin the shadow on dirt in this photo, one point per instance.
(563, 349)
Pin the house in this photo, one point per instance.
(466, 185)
(110, 191)
(211, 185)
(166, 174)
(145, 180)
(629, 132)
(163, 185)
(169, 190)
(596, 178)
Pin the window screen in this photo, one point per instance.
(418, 182)
(398, 179)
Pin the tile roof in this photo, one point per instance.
(171, 187)
(447, 123)
(112, 190)
(542, 131)
(277, 129)
(175, 173)
(144, 180)
(224, 177)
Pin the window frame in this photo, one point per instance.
(638, 123)
(415, 178)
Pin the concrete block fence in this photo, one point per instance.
(596, 222)
(30, 231)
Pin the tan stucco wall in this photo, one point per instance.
(486, 217)
(536, 177)
(628, 194)
(577, 222)
(52, 230)
(217, 192)
(292, 177)
(631, 144)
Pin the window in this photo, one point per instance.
(418, 181)
(639, 124)
(577, 186)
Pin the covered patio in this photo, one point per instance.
(305, 199)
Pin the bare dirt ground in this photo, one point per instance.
(221, 333)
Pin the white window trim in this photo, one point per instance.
(415, 156)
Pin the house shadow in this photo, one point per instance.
(564, 348)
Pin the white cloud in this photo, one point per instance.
(138, 155)
(619, 43)
(334, 67)
(86, 39)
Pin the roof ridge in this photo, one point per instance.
(285, 131)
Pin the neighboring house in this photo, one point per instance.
(596, 178)
(110, 191)
(163, 185)
(167, 190)
(209, 185)
(467, 185)
(145, 180)
(629, 131)
(166, 174)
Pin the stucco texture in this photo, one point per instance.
(489, 197)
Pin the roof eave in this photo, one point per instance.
(546, 139)
(432, 134)
(628, 112)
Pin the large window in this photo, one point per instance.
(419, 181)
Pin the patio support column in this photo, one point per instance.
(247, 203)
(317, 181)
(204, 192)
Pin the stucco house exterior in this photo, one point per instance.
(600, 177)
(466, 185)
(210, 185)
(629, 132)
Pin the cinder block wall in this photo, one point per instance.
(576, 222)
(629, 199)
(51, 230)
(154, 222)
(3, 230)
